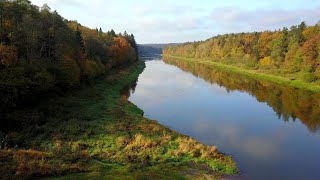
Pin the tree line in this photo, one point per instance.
(41, 52)
(290, 52)
(288, 103)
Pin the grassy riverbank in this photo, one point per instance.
(297, 83)
(96, 133)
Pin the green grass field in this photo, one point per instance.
(96, 133)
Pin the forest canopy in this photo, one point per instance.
(290, 52)
(41, 52)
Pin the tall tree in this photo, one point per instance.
(100, 31)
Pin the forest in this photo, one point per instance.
(146, 51)
(62, 114)
(152, 50)
(42, 53)
(292, 53)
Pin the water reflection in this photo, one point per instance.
(129, 89)
(238, 114)
(286, 101)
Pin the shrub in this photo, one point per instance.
(309, 77)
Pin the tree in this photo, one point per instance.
(265, 44)
(45, 8)
(100, 31)
(301, 28)
(279, 47)
(8, 55)
(310, 53)
(278, 52)
(112, 33)
(121, 51)
(132, 41)
(80, 43)
(125, 34)
(40, 50)
(2, 11)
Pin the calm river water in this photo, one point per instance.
(272, 131)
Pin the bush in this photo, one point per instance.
(309, 77)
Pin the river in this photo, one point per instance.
(271, 131)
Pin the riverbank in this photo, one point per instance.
(256, 74)
(96, 133)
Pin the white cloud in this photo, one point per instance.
(181, 21)
(234, 19)
(235, 136)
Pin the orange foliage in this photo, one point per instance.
(265, 43)
(247, 41)
(8, 55)
(310, 32)
(121, 51)
(310, 50)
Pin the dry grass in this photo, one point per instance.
(140, 142)
(32, 163)
(190, 146)
(106, 136)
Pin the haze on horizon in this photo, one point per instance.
(177, 21)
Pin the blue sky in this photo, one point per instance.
(165, 21)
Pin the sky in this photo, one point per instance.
(174, 21)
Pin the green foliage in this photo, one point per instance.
(23, 82)
(41, 53)
(98, 134)
(309, 77)
(284, 52)
(67, 73)
(218, 166)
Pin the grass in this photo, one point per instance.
(297, 83)
(96, 133)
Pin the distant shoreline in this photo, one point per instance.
(255, 74)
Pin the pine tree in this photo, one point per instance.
(134, 45)
(112, 33)
(301, 28)
(100, 32)
(80, 42)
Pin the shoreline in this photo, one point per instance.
(252, 73)
(107, 136)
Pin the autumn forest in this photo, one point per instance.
(42, 52)
(292, 53)
(84, 98)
